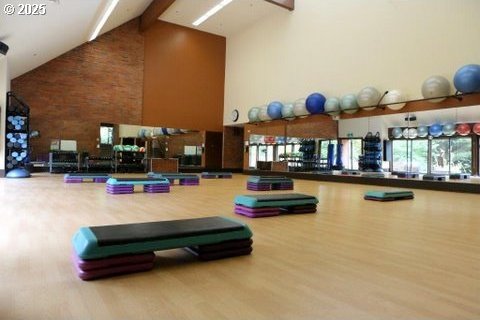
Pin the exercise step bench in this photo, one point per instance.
(80, 177)
(256, 206)
(102, 251)
(434, 177)
(388, 195)
(459, 176)
(216, 175)
(183, 178)
(127, 185)
(267, 183)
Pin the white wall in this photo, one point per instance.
(359, 127)
(4, 87)
(340, 46)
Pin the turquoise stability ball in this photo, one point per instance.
(397, 132)
(448, 129)
(348, 104)
(263, 114)
(435, 130)
(467, 79)
(368, 97)
(434, 87)
(422, 131)
(287, 111)
(332, 106)
(299, 108)
(253, 114)
(274, 110)
(315, 103)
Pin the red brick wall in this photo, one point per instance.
(71, 95)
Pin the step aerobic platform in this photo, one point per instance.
(217, 175)
(127, 185)
(434, 177)
(459, 176)
(388, 195)
(267, 183)
(81, 177)
(256, 206)
(114, 249)
(184, 179)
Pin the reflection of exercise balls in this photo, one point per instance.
(253, 114)
(348, 104)
(274, 110)
(410, 133)
(422, 131)
(467, 78)
(476, 128)
(299, 108)
(287, 111)
(397, 132)
(263, 114)
(332, 106)
(394, 96)
(435, 86)
(448, 129)
(463, 129)
(315, 103)
(435, 130)
(368, 96)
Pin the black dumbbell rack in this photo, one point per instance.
(372, 153)
(16, 133)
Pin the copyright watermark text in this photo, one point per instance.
(25, 9)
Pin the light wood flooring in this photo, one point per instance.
(354, 259)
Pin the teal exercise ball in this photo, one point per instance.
(392, 98)
(397, 132)
(315, 103)
(300, 108)
(434, 87)
(253, 114)
(368, 97)
(274, 109)
(348, 104)
(422, 131)
(287, 111)
(467, 79)
(448, 129)
(263, 114)
(332, 106)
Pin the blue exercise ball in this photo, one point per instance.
(422, 131)
(435, 130)
(332, 106)
(434, 87)
(274, 110)
(397, 132)
(349, 104)
(253, 114)
(448, 129)
(287, 111)
(315, 103)
(467, 78)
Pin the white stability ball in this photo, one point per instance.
(253, 114)
(348, 104)
(263, 114)
(435, 86)
(287, 111)
(300, 108)
(410, 133)
(368, 96)
(332, 106)
(397, 132)
(392, 98)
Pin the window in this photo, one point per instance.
(410, 155)
(252, 161)
(351, 150)
(106, 133)
(262, 153)
(452, 155)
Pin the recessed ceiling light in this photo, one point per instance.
(211, 12)
(103, 19)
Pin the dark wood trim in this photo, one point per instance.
(287, 4)
(387, 182)
(154, 10)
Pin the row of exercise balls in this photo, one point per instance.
(436, 130)
(147, 133)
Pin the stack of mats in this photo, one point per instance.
(388, 195)
(216, 175)
(183, 179)
(267, 183)
(434, 177)
(80, 177)
(118, 249)
(256, 206)
(127, 185)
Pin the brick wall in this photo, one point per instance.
(71, 95)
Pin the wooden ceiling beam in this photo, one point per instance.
(287, 4)
(154, 10)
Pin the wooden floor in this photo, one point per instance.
(354, 259)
